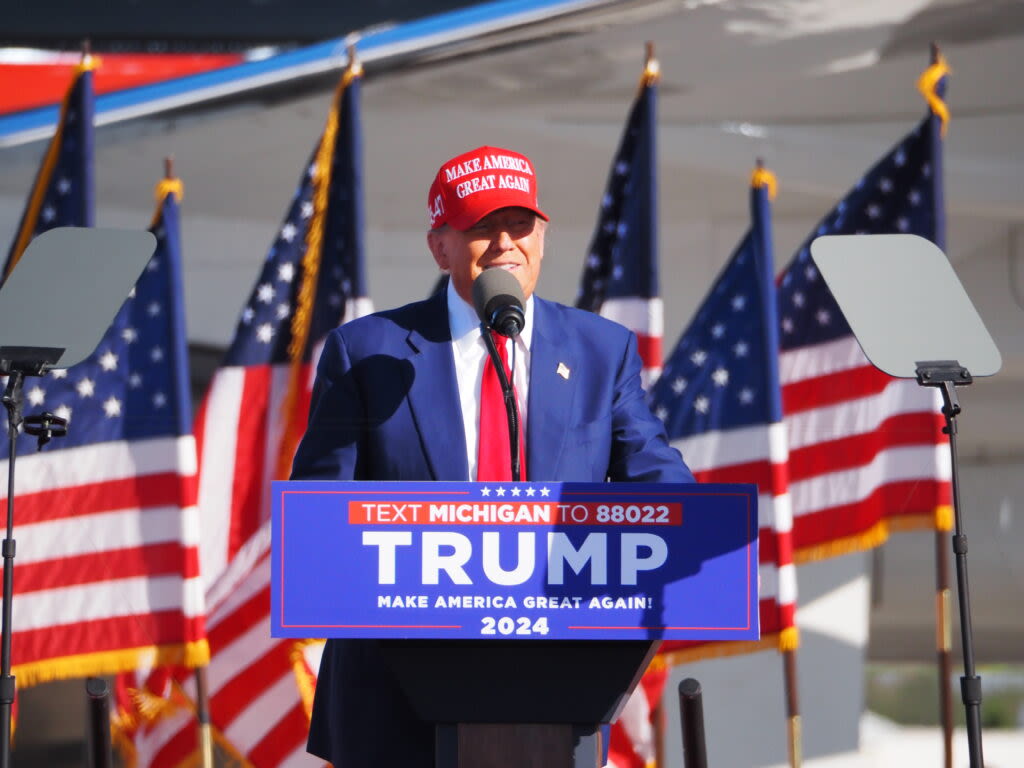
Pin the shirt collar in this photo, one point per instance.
(465, 325)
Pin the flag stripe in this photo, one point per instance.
(164, 558)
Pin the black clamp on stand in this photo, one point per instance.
(16, 363)
(881, 283)
(947, 375)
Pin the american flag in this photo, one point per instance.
(720, 400)
(107, 573)
(247, 429)
(620, 282)
(620, 277)
(62, 195)
(866, 450)
(260, 687)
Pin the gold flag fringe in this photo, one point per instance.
(303, 316)
(718, 650)
(194, 654)
(163, 188)
(305, 681)
(939, 519)
(927, 84)
(762, 177)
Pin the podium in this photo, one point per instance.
(517, 703)
(516, 617)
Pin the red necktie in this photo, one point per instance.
(493, 451)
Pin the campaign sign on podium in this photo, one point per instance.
(554, 561)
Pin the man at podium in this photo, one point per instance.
(412, 394)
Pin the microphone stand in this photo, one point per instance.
(511, 411)
(16, 363)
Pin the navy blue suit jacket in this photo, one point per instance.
(386, 407)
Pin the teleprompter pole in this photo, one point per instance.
(947, 375)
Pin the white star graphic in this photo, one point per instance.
(593, 261)
(661, 412)
(746, 396)
(63, 412)
(286, 272)
(129, 335)
(617, 271)
(678, 385)
(530, 491)
(265, 293)
(135, 381)
(131, 293)
(900, 158)
(606, 201)
(153, 309)
(156, 354)
(112, 407)
(515, 491)
(720, 377)
(885, 184)
(153, 265)
(622, 229)
(288, 232)
(86, 388)
(717, 330)
(874, 211)
(36, 395)
(798, 299)
(621, 167)
(739, 301)
(902, 224)
(485, 491)
(740, 349)
(108, 362)
(63, 185)
(265, 333)
(787, 325)
(698, 357)
(49, 213)
(307, 209)
(810, 272)
(545, 491)
(159, 400)
(59, 373)
(914, 197)
(500, 491)
(283, 310)
(247, 315)
(702, 404)
(823, 317)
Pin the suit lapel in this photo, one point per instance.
(434, 396)
(552, 387)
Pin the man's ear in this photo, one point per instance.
(436, 244)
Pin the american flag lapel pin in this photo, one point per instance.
(563, 371)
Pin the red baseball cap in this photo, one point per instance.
(474, 184)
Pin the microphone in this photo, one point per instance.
(498, 299)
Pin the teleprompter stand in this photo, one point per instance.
(913, 319)
(508, 704)
(54, 308)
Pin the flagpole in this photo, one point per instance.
(202, 696)
(929, 85)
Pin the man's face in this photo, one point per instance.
(508, 238)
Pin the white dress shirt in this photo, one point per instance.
(470, 354)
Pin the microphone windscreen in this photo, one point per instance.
(496, 288)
